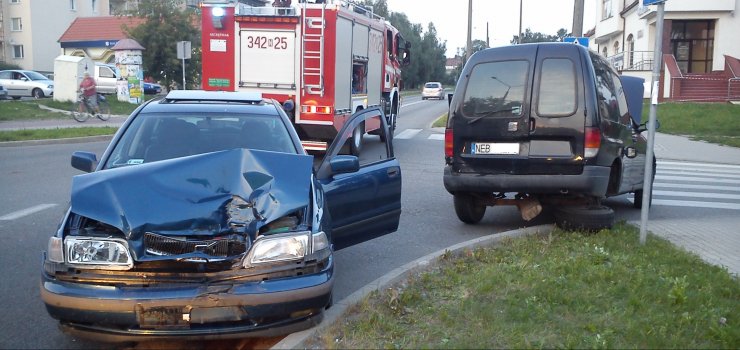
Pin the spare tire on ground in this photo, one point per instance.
(584, 218)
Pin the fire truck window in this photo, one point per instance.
(389, 40)
(359, 78)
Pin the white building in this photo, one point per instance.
(697, 38)
(29, 29)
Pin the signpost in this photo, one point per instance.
(647, 191)
(184, 51)
(583, 41)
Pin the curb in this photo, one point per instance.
(337, 311)
(56, 141)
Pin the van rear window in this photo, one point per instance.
(496, 89)
(557, 91)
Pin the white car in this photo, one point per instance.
(433, 90)
(20, 83)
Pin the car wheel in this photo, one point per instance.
(355, 146)
(37, 93)
(584, 218)
(467, 208)
(637, 203)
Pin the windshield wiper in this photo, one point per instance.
(483, 114)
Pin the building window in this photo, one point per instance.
(94, 6)
(16, 24)
(15, 1)
(616, 47)
(630, 51)
(73, 5)
(603, 51)
(606, 9)
(17, 51)
(692, 44)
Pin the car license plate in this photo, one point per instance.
(494, 148)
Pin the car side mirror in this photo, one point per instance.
(449, 100)
(630, 152)
(343, 164)
(84, 161)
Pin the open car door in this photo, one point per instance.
(363, 194)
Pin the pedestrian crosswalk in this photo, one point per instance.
(677, 183)
(697, 185)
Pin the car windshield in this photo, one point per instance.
(35, 75)
(159, 136)
(431, 85)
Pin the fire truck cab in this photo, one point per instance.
(324, 60)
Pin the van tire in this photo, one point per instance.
(584, 218)
(467, 208)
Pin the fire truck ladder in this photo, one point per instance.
(313, 35)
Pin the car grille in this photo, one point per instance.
(163, 245)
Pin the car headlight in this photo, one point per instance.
(93, 252)
(50, 86)
(285, 247)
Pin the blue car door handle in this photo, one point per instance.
(393, 172)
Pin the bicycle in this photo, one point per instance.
(82, 108)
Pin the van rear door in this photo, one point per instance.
(520, 112)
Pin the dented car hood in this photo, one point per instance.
(234, 191)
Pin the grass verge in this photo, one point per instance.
(565, 290)
(712, 122)
(23, 110)
(61, 133)
(441, 122)
(116, 107)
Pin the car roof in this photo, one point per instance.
(210, 101)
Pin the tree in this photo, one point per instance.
(537, 37)
(166, 24)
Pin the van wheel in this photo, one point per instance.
(37, 93)
(584, 218)
(467, 208)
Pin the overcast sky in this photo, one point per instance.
(450, 18)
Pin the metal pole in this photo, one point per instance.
(648, 179)
(183, 71)
(519, 36)
(469, 51)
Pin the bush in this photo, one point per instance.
(5, 65)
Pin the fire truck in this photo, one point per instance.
(323, 60)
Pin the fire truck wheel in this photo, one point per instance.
(355, 145)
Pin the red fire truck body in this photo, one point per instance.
(327, 59)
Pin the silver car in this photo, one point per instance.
(433, 89)
(20, 83)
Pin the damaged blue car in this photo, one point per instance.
(206, 219)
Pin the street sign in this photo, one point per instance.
(184, 50)
(583, 41)
(651, 2)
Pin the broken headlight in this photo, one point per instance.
(285, 247)
(93, 252)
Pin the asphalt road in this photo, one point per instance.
(35, 184)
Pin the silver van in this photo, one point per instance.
(106, 76)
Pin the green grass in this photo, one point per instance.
(713, 122)
(441, 122)
(566, 290)
(61, 133)
(26, 110)
(116, 107)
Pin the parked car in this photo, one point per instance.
(543, 124)
(433, 90)
(3, 93)
(106, 78)
(22, 83)
(152, 88)
(205, 218)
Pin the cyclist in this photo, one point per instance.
(89, 92)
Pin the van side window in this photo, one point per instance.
(621, 100)
(496, 89)
(557, 91)
(605, 92)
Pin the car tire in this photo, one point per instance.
(637, 203)
(467, 210)
(355, 145)
(37, 93)
(584, 218)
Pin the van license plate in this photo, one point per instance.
(494, 148)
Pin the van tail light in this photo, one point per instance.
(448, 142)
(593, 142)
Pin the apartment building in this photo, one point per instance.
(30, 28)
(699, 44)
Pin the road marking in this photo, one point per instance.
(407, 134)
(24, 212)
(410, 104)
(699, 173)
(695, 204)
(703, 165)
(438, 137)
(697, 187)
(696, 195)
(694, 179)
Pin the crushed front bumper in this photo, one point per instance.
(192, 311)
